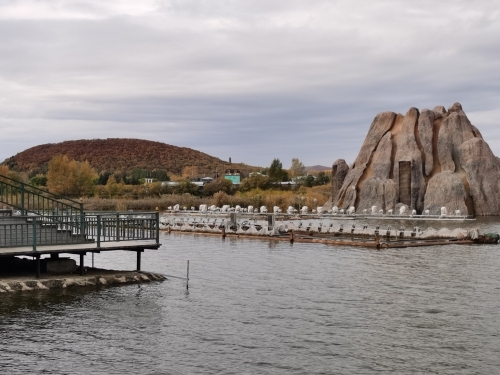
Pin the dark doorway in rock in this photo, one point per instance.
(405, 182)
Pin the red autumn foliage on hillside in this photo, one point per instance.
(119, 155)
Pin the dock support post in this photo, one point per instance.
(291, 236)
(81, 264)
(223, 232)
(139, 259)
(38, 273)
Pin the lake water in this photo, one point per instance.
(266, 307)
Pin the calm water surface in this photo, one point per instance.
(265, 307)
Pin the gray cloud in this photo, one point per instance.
(251, 80)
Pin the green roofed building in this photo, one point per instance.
(233, 175)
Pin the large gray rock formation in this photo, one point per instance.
(339, 171)
(426, 161)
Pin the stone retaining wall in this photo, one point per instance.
(13, 284)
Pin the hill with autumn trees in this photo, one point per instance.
(120, 156)
(129, 173)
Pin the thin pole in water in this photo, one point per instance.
(187, 277)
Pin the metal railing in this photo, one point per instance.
(123, 226)
(30, 199)
(35, 230)
(41, 218)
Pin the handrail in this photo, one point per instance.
(33, 230)
(122, 226)
(36, 230)
(50, 220)
(30, 199)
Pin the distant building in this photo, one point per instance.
(169, 183)
(233, 175)
(199, 184)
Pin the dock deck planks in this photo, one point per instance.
(80, 248)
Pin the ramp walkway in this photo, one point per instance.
(35, 222)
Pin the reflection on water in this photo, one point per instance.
(268, 307)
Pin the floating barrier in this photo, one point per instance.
(323, 229)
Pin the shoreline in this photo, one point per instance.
(93, 277)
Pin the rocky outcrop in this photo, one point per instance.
(407, 150)
(372, 194)
(340, 169)
(482, 171)
(425, 132)
(424, 161)
(446, 189)
(105, 277)
(455, 130)
(379, 127)
(381, 167)
(339, 172)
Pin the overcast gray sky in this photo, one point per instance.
(248, 79)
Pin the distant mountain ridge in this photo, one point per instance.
(121, 155)
(318, 168)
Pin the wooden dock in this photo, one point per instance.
(79, 249)
(35, 222)
(367, 242)
(52, 235)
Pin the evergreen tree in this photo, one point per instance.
(275, 171)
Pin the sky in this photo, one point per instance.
(246, 80)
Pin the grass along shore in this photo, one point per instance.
(311, 197)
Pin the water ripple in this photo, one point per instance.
(266, 307)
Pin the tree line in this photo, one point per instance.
(70, 178)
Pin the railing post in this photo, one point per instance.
(82, 222)
(118, 227)
(22, 200)
(98, 230)
(157, 217)
(34, 233)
